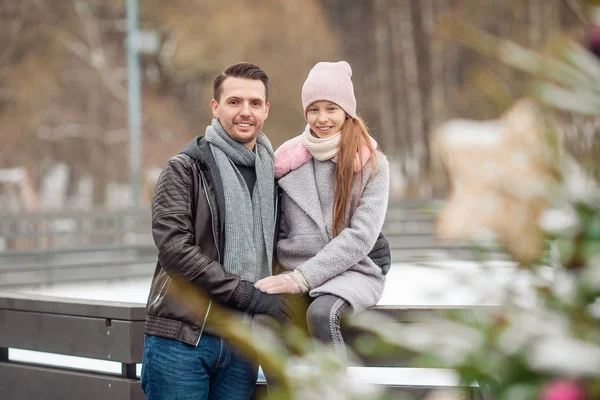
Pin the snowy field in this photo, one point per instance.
(436, 283)
(448, 283)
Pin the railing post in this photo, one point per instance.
(128, 370)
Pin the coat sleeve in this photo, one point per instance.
(173, 232)
(356, 240)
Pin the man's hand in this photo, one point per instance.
(283, 283)
(248, 298)
(272, 304)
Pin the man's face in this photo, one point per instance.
(242, 109)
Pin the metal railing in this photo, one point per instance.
(70, 246)
(74, 229)
(90, 245)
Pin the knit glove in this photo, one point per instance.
(380, 253)
(248, 298)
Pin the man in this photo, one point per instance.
(213, 219)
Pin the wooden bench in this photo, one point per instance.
(98, 330)
(114, 332)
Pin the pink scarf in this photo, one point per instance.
(293, 154)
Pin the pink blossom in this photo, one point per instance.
(562, 390)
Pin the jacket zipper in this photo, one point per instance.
(216, 247)
(211, 213)
(276, 204)
(162, 290)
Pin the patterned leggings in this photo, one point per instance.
(323, 319)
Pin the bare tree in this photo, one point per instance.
(63, 80)
(423, 78)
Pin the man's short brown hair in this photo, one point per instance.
(243, 70)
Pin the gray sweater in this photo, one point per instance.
(340, 265)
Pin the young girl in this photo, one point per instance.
(335, 187)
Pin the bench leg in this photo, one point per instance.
(482, 392)
(128, 371)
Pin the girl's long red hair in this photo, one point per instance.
(353, 138)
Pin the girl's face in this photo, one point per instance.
(325, 118)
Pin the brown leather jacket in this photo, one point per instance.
(188, 230)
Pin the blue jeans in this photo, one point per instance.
(172, 370)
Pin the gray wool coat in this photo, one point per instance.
(339, 265)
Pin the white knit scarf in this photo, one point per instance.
(321, 148)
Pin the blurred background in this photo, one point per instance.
(67, 114)
(96, 95)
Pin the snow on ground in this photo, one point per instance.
(440, 283)
(450, 283)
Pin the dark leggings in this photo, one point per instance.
(323, 319)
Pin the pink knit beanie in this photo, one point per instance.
(330, 81)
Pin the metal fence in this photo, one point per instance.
(89, 245)
(74, 229)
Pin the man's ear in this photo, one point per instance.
(215, 108)
(267, 108)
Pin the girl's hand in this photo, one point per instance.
(278, 284)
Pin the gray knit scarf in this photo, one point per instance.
(249, 221)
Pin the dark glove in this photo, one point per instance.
(248, 298)
(380, 253)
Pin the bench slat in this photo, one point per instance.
(25, 382)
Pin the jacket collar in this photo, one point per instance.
(301, 187)
(199, 150)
